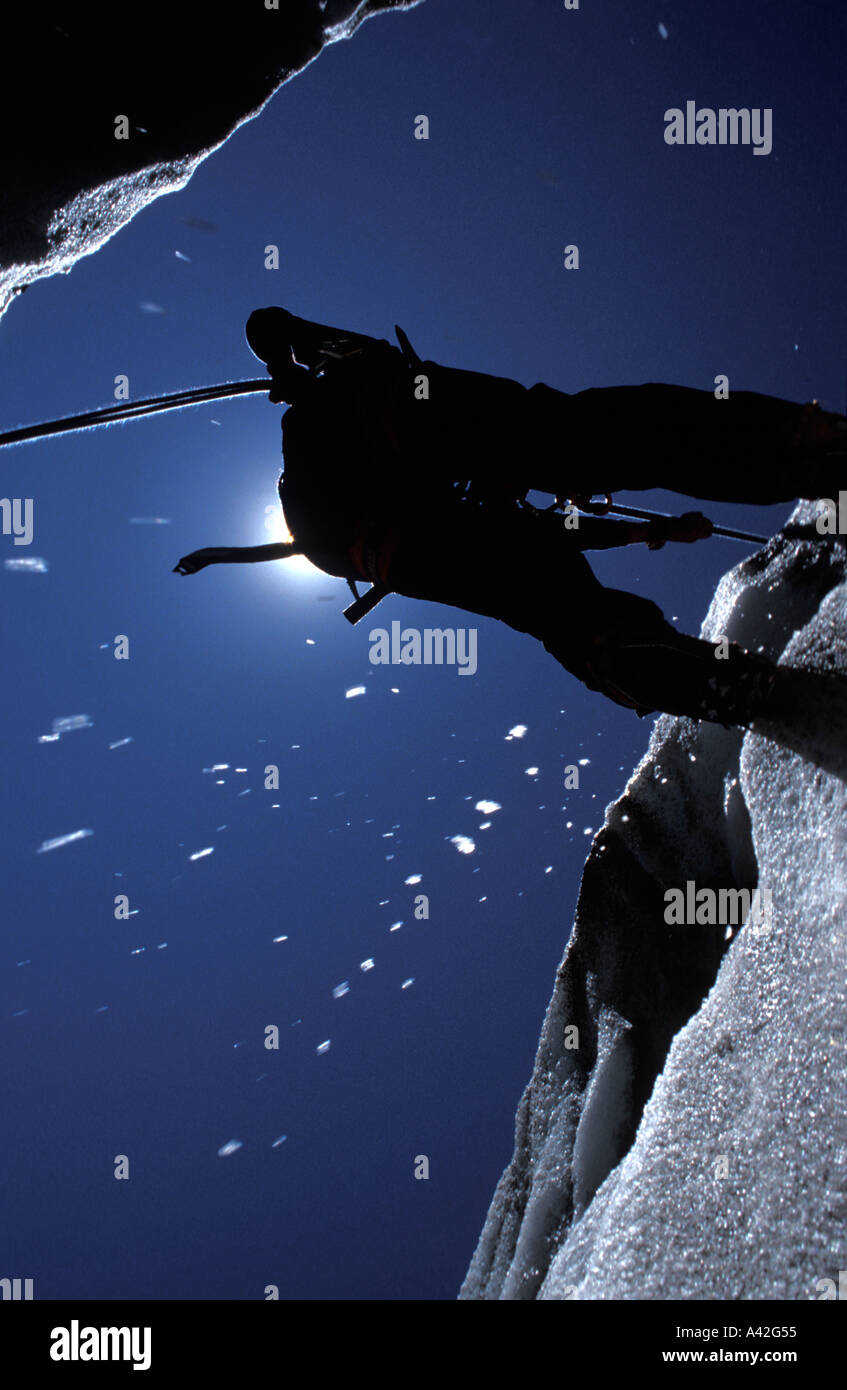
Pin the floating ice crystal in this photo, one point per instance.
(29, 564)
(72, 722)
(63, 840)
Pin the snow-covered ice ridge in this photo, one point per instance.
(694, 1145)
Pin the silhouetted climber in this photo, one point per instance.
(511, 439)
(375, 488)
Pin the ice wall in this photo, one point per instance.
(693, 1145)
(184, 76)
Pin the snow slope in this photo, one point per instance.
(693, 1145)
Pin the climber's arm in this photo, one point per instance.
(602, 533)
(234, 555)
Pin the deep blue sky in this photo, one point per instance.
(546, 129)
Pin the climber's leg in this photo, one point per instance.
(637, 659)
(748, 448)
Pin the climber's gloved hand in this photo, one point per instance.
(691, 526)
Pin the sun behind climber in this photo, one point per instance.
(409, 475)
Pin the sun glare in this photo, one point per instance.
(275, 531)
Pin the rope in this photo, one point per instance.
(110, 415)
(716, 530)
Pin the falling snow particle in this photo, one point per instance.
(663, 31)
(230, 1148)
(395, 926)
(281, 1140)
(201, 853)
(355, 690)
(531, 771)
(367, 964)
(63, 840)
(30, 564)
(406, 983)
(413, 878)
(121, 743)
(72, 722)
(488, 807)
(517, 732)
(341, 990)
(463, 844)
(323, 1047)
(280, 938)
